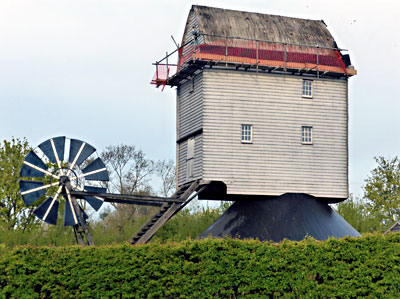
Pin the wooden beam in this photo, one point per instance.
(129, 198)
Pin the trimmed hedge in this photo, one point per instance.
(345, 268)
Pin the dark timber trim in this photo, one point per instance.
(192, 134)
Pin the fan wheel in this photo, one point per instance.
(46, 172)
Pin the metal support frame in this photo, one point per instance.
(79, 234)
(317, 62)
(226, 51)
(257, 55)
(285, 61)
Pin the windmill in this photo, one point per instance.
(79, 173)
(262, 115)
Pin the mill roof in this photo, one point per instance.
(275, 28)
(394, 228)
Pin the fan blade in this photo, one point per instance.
(79, 151)
(31, 191)
(48, 211)
(96, 171)
(95, 202)
(95, 189)
(36, 162)
(58, 153)
(70, 218)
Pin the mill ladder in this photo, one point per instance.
(167, 210)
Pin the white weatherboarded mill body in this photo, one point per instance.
(254, 112)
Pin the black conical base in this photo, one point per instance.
(291, 216)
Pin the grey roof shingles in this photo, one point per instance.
(233, 23)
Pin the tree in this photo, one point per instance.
(13, 212)
(355, 212)
(382, 191)
(130, 173)
(165, 169)
(129, 169)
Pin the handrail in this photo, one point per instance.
(173, 52)
(247, 39)
(192, 51)
(270, 41)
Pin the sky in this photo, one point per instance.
(82, 69)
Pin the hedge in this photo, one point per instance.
(228, 268)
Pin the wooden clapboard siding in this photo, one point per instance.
(181, 162)
(276, 162)
(189, 121)
(190, 110)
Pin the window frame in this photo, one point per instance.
(303, 135)
(311, 89)
(243, 129)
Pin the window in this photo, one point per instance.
(307, 88)
(306, 135)
(190, 158)
(247, 133)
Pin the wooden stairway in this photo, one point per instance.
(167, 210)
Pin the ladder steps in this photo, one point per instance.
(169, 209)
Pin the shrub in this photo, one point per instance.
(227, 268)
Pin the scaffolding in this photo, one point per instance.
(243, 53)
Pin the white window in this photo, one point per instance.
(307, 88)
(247, 133)
(306, 135)
(190, 158)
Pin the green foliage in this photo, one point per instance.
(380, 206)
(109, 229)
(345, 268)
(187, 224)
(55, 235)
(13, 212)
(355, 212)
(382, 191)
(119, 225)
